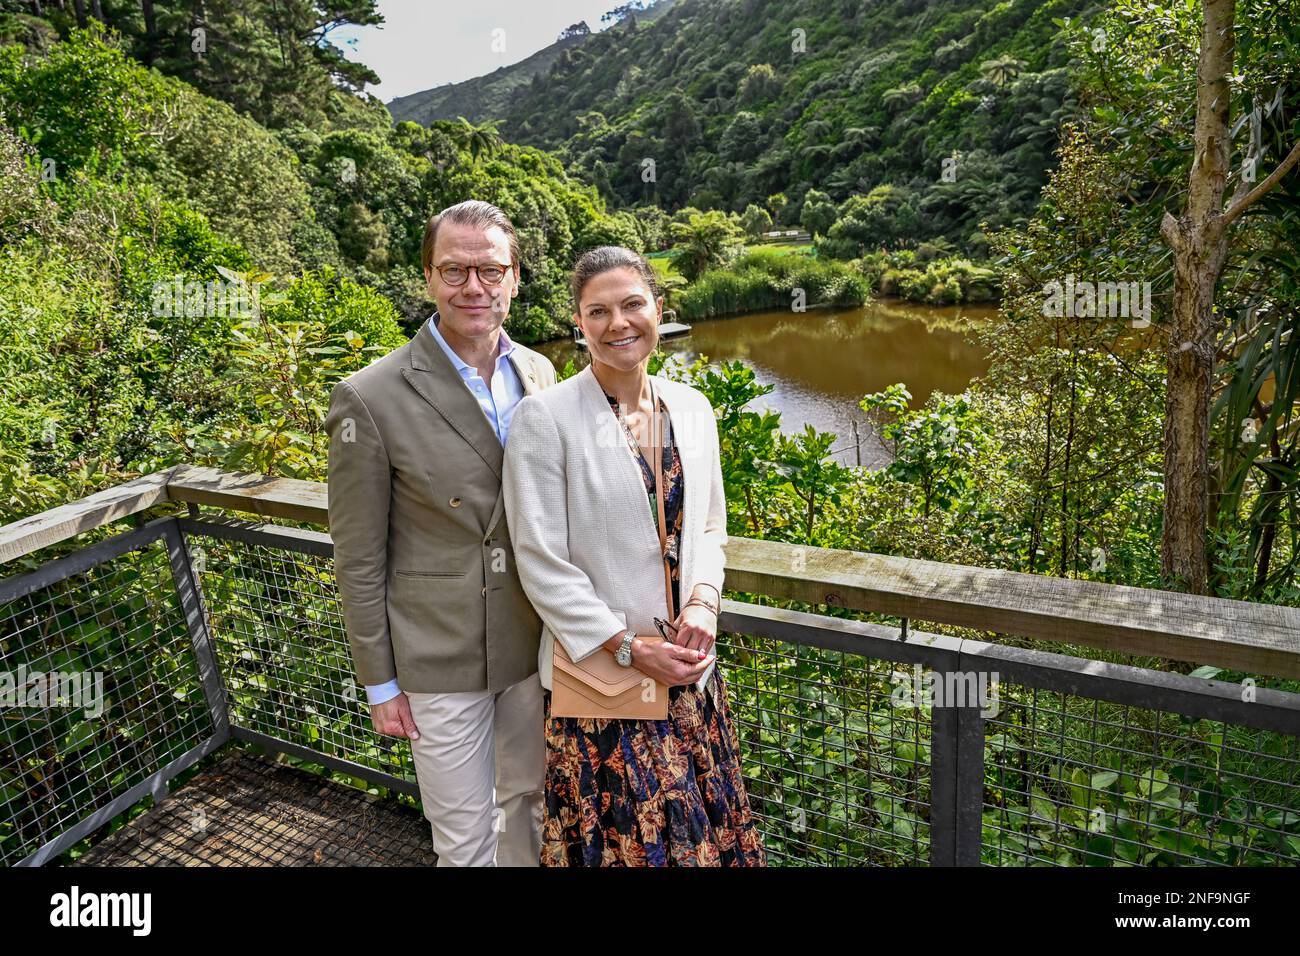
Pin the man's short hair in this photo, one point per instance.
(471, 212)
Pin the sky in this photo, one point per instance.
(426, 43)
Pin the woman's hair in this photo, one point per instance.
(604, 258)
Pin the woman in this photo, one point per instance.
(579, 498)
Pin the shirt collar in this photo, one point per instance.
(504, 347)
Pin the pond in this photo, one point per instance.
(823, 361)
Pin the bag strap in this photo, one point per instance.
(657, 451)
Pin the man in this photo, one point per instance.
(441, 632)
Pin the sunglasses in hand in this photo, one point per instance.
(664, 627)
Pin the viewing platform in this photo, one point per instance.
(180, 692)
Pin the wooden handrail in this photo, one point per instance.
(1240, 635)
(287, 498)
(86, 514)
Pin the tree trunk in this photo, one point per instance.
(150, 32)
(80, 6)
(1190, 357)
(198, 19)
(1199, 242)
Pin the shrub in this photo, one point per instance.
(940, 282)
(767, 279)
(340, 306)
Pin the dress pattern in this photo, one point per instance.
(650, 792)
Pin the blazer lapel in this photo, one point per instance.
(526, 372)
(436, 380)
(528, 376)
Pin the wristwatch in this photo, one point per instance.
(624, 653)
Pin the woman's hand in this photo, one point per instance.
(669, 664)
(697, 628)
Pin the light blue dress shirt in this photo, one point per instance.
(498, 402)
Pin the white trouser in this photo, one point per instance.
(467, 742)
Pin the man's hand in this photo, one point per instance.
(393, 718)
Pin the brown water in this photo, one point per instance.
(822, 361)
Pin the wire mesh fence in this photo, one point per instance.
(836, 776)
(102, 688)
(277, 630)
(202, 630)
(1072, 781)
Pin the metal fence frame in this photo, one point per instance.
(304, 542)
(957, 733)
(60, 569)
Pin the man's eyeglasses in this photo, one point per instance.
(489, 273)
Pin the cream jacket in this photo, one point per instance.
(586, 546)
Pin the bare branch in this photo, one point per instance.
(1241, 205)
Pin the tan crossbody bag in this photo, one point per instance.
(597, 685)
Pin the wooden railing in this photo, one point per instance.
(1255, 638)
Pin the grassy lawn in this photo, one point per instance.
(781, 248)
(662, 262)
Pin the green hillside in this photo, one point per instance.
(481, 98)
(734, 105)
(487, 97)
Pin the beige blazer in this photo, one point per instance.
(585, 539)
(422, 551)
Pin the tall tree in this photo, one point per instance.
(1199, 240)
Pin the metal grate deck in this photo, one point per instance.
(248, 810)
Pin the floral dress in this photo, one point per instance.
(650, 792)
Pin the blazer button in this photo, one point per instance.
(485, 592)
(455, 502)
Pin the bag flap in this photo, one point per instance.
(598, 670)
(600, 701)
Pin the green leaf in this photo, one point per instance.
(1153, 783)
(1041, 806)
